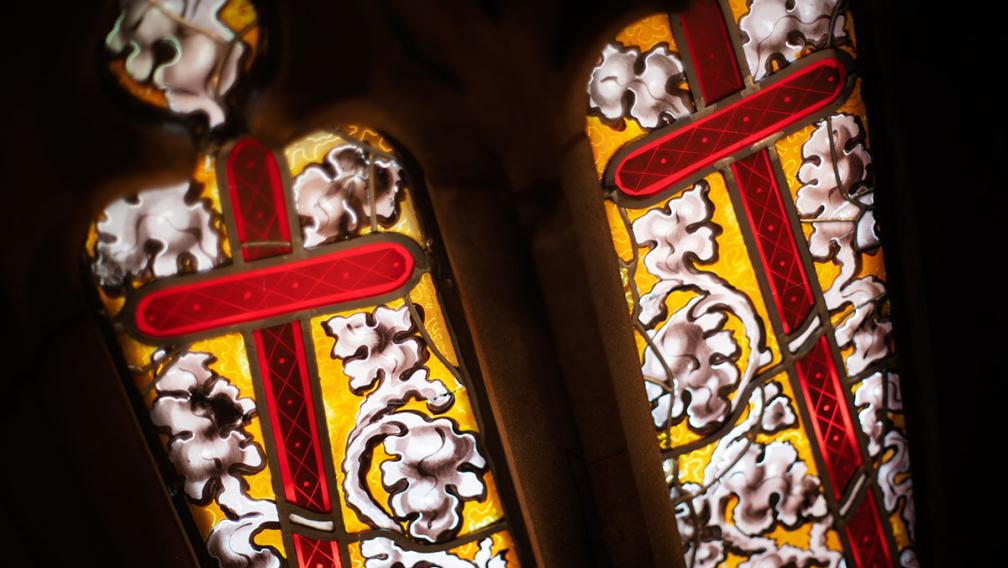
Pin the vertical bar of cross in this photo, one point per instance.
(256, 191)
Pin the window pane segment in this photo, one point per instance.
(753, 273)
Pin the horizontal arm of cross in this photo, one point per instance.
(692, 146)
(282, 288)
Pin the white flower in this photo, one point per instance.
(836, 196)
(758, 487)
(204, 59)
(204, 415)
(335, 196)
(691, 367)
(374, 346)
(232, 540)
(700, 356)
(156, 230)
(875, 396)
(438, 468)
(772, 485)
(680, 234)
(777, 413)
(894, 479)
(779, 30)
(652, 103)
(435, 468)
(846, 202)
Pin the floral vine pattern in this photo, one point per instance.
(779, 31)
(769, 485)
(736, 457)
(205, 53)
(436, 467)
(877, 396)
(383, 553)
(158, 232)
(649, 80)
(337, 198)
(837, 197)
(204, 415)
(690, 362)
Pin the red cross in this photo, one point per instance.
(312, 553)
(272, 294)
(732, 137)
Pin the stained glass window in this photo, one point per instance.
(733, 149)
(281, 323)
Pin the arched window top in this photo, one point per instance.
(731, 142)
(281, 321)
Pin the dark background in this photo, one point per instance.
(76, 482)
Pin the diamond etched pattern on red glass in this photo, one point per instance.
(774, 240)
(256, 190)
(292, 415)
(689, 147)
(867, 537)
(830, 418)
(708, 41)
(313, 553)
(345, 275)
